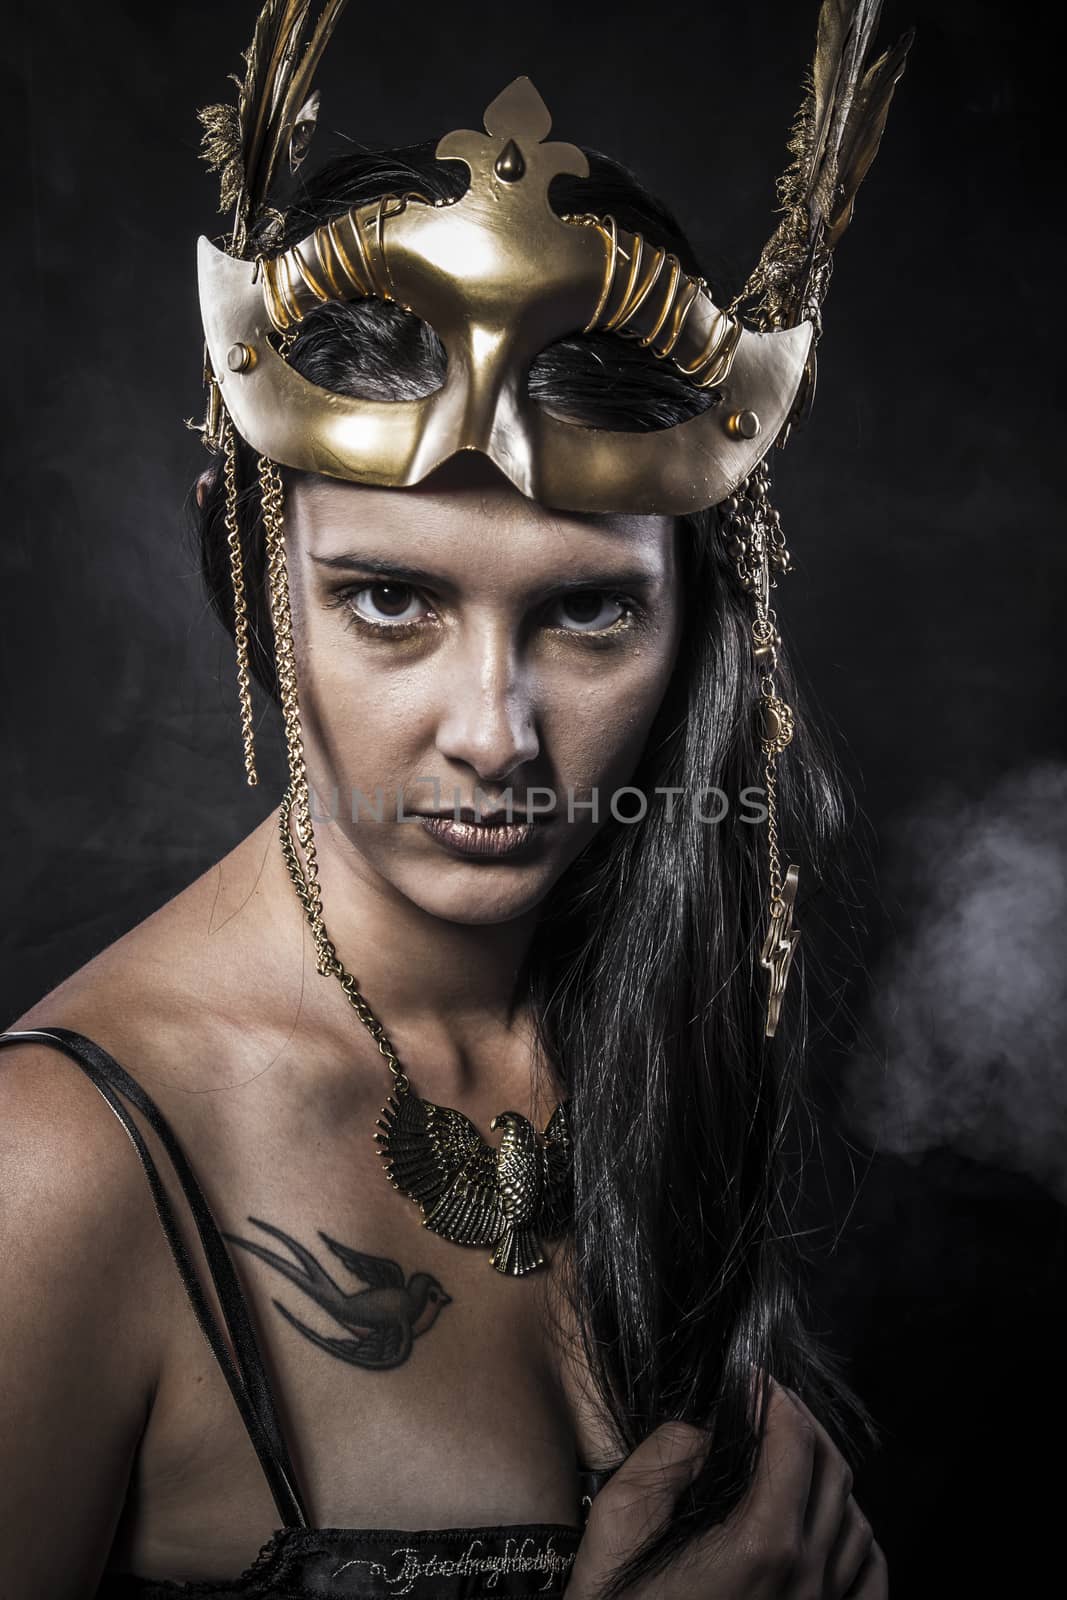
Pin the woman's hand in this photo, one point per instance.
(797, 1535)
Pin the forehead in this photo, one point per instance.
(467, 511)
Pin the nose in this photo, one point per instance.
(488, 719)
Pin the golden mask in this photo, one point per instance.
(499, 276)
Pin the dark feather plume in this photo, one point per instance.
(245, 143)
(833, 141)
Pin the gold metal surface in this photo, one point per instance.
(662, 307)
(778, 724)
(499, 276)
(511, 1198)
(779, 947)
(742, 425)
(509, 164)
(240, 358)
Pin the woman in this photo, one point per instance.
(506, 712)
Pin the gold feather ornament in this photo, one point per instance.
(245, 143)
(834, 138)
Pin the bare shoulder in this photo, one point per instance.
(92, 1303)
(171, 1002)
(81, 1338)
(71, 1199)
(175, 988)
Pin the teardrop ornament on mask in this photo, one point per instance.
(509, 165)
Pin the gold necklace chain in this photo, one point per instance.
(511, 1197)
(329, 961)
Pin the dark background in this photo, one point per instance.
(922, 508)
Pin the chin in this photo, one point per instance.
(476, 895)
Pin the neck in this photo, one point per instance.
(449, 995)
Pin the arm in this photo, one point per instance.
(78, 1360)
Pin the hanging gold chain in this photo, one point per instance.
(770, 775)
(329, 961)
(270, 483)
(298, 796)
(757, 545)
(240, 610)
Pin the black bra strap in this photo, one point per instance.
(248, 1381)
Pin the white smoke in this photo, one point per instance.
(967, 1041)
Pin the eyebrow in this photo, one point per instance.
(598, 578)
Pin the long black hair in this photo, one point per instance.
(644, 972)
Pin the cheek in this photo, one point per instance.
(596, 723)
(365, 722)
(370, 727)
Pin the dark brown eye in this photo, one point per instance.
(386, 603)
(590, 611)
(391, 598)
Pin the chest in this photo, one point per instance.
(417, 1386)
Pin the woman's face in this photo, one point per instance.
(459, 644)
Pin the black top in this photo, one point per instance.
(502, 1561)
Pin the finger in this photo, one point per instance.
(635, 1503)
(831, 1486)
(652, 1477)
(782, 1482)
(872, 1580)
(850, 1549)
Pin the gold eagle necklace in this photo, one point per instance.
(510, 1198)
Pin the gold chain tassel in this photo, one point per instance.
(754, 530)
(782, 936)
(240, 610)
(270, 484)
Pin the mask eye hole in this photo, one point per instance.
(369, 350)
(600, 380)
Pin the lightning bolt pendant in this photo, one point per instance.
(779, 947)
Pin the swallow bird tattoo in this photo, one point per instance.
(384, 1319)
(511, 1198)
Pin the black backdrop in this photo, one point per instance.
(922, 510)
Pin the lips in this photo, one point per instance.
(478, 817)
(470, 839)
